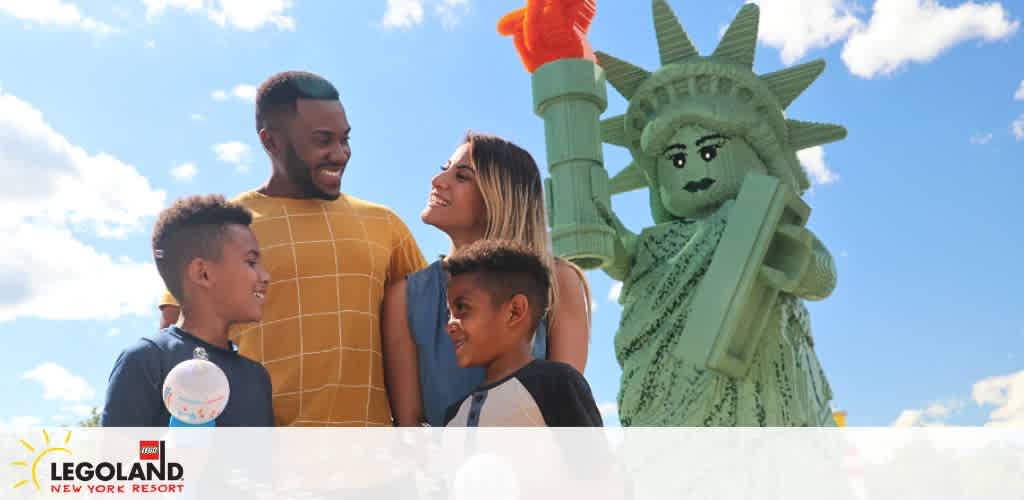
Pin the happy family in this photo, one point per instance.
(321, 310)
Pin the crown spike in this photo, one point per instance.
(673, 43)
(789, 83)
(628, 179)
(613, 131)
(803, 135)
(740, 40)
(625, 77)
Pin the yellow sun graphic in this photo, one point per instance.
(46, 450)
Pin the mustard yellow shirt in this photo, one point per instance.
(320, 334)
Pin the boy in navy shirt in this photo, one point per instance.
(210, 261)
(497, 294)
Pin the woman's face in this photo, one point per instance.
(455, 204)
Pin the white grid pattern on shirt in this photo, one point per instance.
(298, 295)
(371, 248)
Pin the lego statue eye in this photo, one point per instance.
(678, 160)
(708, 153)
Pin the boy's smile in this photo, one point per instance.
(243, 281)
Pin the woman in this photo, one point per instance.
(489, 188)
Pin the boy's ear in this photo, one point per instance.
(518, 310)
(198, 273)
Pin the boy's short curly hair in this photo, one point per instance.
(505, 269)
(193, 227)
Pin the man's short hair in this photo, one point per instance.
(505, 269)
(193, 227)
(277, 96)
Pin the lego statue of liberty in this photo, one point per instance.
(714, 331)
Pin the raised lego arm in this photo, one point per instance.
(625, 244)
(569, 94)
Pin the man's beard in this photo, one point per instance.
(301, 175)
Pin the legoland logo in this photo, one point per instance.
(151, 473)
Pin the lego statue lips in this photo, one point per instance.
(701, 185)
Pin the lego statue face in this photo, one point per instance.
(699, 168)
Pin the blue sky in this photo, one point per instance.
(110, 110)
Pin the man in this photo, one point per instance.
(330, 256)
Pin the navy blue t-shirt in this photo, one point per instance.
(135, 388)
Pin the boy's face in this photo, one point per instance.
(240, 281)
(477, 326)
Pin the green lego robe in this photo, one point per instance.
(785, 386)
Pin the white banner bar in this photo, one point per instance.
(499, 464)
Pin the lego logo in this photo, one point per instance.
(149, 450)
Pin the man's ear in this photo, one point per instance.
(272, 143)
(517, 310)
(199, 273)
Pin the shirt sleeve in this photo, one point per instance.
(406, 257)
(579, 408)
(562, 394)
(134, 391)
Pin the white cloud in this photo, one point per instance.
(904, 31)
(45, 270)
(451, 12)
(813, 160)
(797, 26)
(150, 44)
(932, 416)
(615, 291)
(981, 138)
(1017, 127)
(1019, 94)
(1006, 394)
(48, 273)
(59, 383)
(53, 12)
(403, 14)
(242, 91)
(20, 423)
(69, 185)
(246, 15)
(234, 152)
(195, 117)
(58, 418)
(113, 332)
(185, 171)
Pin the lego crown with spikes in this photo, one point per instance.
(720, 91)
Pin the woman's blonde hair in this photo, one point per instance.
(510, 186)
